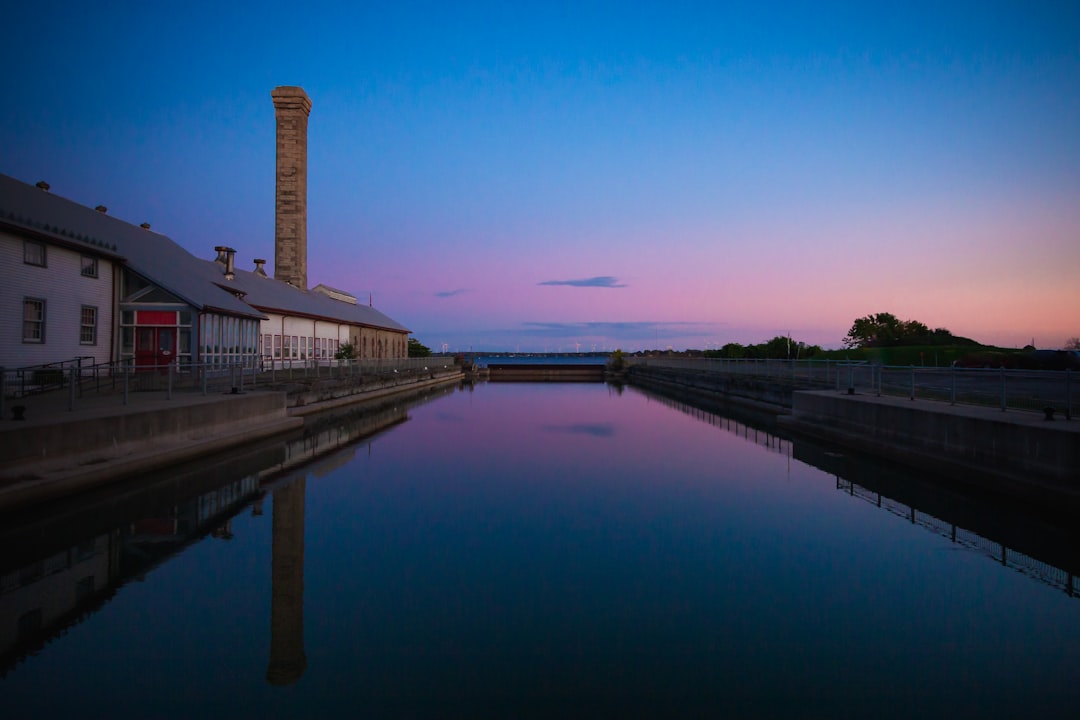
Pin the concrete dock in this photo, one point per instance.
(55, 451)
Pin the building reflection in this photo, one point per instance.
(287, 658)
(61, 563)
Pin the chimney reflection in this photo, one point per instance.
(287, 658)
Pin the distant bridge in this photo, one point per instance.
(545, 372)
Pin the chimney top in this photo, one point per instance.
(43, 185)
(102, 209)
(259, 269)
(291, 97)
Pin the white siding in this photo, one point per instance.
(65, 290)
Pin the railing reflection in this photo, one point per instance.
(1000, 552)
(961, 521)
(758, 436)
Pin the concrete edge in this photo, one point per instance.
(981, 477)
(363, 397)
(726, 398)
(81, 477)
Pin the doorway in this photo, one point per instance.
(154, 347)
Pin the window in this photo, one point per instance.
(33, 320)
(88, 326)
(33, 253)
(89, 267)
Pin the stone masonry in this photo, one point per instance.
(291, 108)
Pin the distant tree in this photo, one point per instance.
(887, 330)
(1072, 343)
(418, 349)
(733, 350)
(617, 361)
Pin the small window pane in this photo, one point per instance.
(89, 267)
(33, 320)
(34, 253)
(88, 326)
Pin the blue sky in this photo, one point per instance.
(544, 175)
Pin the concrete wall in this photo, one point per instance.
(114, 435)
(1017, 450)
(751, 391)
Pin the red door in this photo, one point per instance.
(154, 346)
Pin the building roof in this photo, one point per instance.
(153, 255)
(270, 295)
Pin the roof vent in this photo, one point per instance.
(43, 185)
(259, 269)
(102, 209)
(145, 226)
(220, 250)
(230, 263)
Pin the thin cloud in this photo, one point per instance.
(594, 429)
(450, 293)
(602, 281)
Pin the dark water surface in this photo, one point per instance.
(540, 550)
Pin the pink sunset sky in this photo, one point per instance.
(557, 176)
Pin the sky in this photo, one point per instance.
(532, 176)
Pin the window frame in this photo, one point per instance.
(84, 326)
(40, 323)
(27, 260)
(92, 267)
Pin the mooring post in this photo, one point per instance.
(1003, 399)
(952, 392)
(168, 381)
(912, 396)
(71, 388)
(124, 370)
(3, 389)
(202, 370)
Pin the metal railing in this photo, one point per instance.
(1048, 391)
(73, 382)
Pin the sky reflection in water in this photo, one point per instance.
(573, 549)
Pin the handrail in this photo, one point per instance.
(1047, 391)
(121, 378)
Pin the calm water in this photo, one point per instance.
(547, 550)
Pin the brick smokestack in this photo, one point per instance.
(291, 108)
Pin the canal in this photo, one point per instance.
(517, 550)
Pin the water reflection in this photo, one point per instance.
(1043, 551)
(542, 576)
(287, 658)
(64, 562)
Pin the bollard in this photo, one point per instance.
(3, 390)
(851, 380)
(1003, 403)
(912, 397)
(202, 369)
(124, 370)
(952, 392)
(71, 389)
(168, 381)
